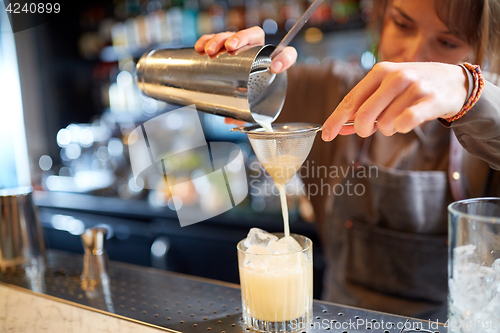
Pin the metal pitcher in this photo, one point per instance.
(235, 84)
(21, 239)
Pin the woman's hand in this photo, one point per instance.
(231, 121)
(211, 44)
(231, 41)
(399, 96)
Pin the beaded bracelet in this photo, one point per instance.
(476, 92)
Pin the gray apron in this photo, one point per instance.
(387, 248)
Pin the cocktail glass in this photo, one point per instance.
(277, 289)
(474, 266)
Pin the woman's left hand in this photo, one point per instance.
(399, 97)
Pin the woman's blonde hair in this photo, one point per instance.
(476, 21)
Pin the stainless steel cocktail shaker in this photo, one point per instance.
(21, 239)
(236, 84)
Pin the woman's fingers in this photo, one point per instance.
(232, 121)
(400, 97)
(392, 86)
(386, 120)
(349, 105)
(201, 42)
(284, 60)
(347, 130)
(217, 42)
(334, 124)
(251, 36)
(213, 43)
(231, 41)
(414, 115)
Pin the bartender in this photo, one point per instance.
(386, 247)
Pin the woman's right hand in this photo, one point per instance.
(211, 44)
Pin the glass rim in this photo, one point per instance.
(307, 239)
(280, 129)
(15, 191)
(480, 218)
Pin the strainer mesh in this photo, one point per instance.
(259, 80)
(286, 149)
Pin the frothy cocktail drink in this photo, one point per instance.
(276, 281)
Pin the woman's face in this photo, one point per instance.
(413, 32)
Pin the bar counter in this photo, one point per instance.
(137, 299)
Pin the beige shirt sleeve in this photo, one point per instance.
(479, 130)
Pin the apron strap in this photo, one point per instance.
(455, 168)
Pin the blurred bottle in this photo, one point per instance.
(268, 10)
(159, 27)
(178, 3)
(235, 15)
(322, 14)
(118, 35)
(217, 16)
(204, 23)
(290, 12)
(252, 13)
(131, 33)
(189, 22)
(143, 30)
(345, 10)
(174, 25)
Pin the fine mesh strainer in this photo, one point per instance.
(287, 146)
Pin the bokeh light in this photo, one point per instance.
(45, 162)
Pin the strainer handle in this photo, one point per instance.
(238, 129)
(347, 123)
(296, 27)
(351, 123)
(242, 128)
